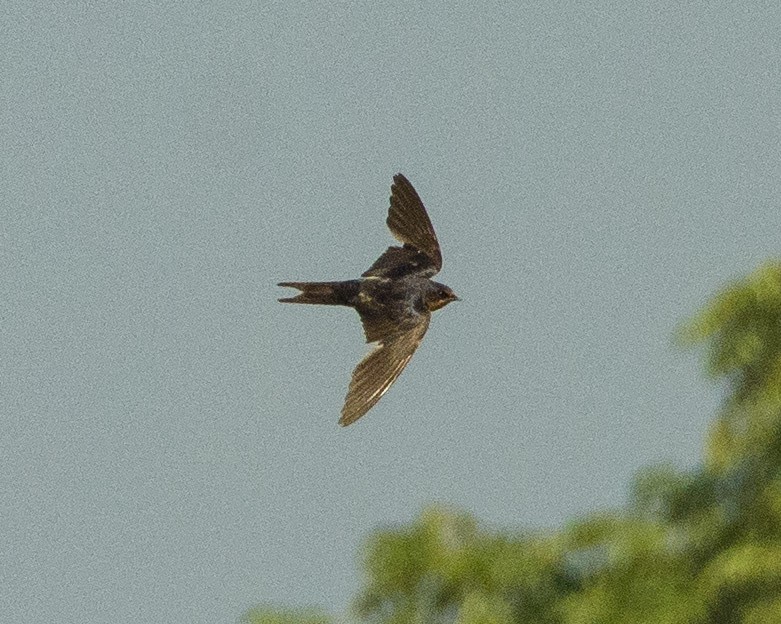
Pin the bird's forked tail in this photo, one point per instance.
(323, 293)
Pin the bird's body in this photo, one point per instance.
(394, 298)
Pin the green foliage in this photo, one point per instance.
(742, 331)
(263, 615)
(446, 566)
(698, 547)
(643, 576)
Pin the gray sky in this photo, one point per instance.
(169, 443)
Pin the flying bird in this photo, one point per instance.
(394, 299)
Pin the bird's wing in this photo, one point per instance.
(397, 262)
(383, 324)
(380, 368)
(409, 223)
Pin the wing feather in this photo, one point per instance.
(400, 261)
(375, 374)
(409, 222)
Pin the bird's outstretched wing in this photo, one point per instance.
(375, 374)
(409, 224)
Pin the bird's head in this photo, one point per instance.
(438, 296)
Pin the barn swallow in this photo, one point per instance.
(394, 299)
